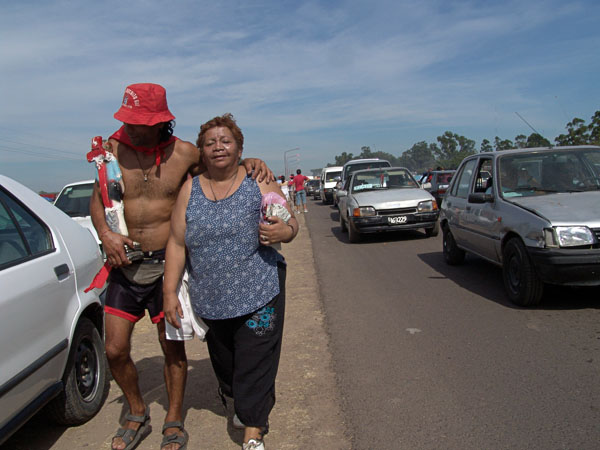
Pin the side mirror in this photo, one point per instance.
(480, 197)
(341, 193)
(426, 185)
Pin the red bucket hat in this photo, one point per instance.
(144, 104)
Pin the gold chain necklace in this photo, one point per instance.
(141, 168)
(230, 186)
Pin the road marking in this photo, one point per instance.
(413, 330)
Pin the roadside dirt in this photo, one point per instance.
(306, 415)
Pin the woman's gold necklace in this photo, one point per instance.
(141, 168)
(230, 186)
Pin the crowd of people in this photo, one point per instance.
(195, 210)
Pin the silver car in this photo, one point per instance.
(385, 199)
(51, 331)
(537, 216)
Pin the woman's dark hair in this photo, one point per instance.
(226, 120)
(167, 131)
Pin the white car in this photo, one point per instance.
(52, 351)
(385, 199)
(74, 200)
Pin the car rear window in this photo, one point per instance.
(75, 200)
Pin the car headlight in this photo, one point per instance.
(363, 211)
(428, 206)
(568, 236)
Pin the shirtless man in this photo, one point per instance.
(154, 165)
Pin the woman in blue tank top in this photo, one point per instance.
(237, 280)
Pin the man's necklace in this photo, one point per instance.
(141, 168)
(230, 186)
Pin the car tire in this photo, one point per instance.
(522, 284)
(452, 254)
(86, 382)
(343, 225)
(353, 234)
(433, 231)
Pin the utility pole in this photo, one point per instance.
(285, 163)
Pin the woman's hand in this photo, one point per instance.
(261, 171)
(171, 308)
(275, 231)
(113, 245)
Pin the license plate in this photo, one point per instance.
(397, 220)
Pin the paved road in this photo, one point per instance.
(429, 356)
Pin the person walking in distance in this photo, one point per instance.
(299, 181)
(154, 165)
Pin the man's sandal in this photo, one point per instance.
(132, 437)
(175, 438)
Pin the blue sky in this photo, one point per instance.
(323, 76)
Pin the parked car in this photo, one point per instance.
(74, 200)
(437, 182)
(312, 188)
(52, 351)
(536, 216)
(358, 164)
(385, 199)
(329, 178)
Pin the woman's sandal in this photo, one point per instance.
(132, 437)
(175, 438)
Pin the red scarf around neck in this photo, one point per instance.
(159, 150)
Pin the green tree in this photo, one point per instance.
(521, 141)
(453, 149)
(578, 133)
(537, 140)
(594, 129)
(419, 157)
(503, 144)
(343, 158)
(486, 146)
(365, 152)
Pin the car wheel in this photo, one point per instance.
(343, 225)
(452, 254)
(86, 382)
(433, 231)
(353, 234)
(523, 286)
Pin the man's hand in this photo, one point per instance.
(113, 245)
(261, 171)
(171, 308)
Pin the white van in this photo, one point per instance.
(359, 164)
(329, 177)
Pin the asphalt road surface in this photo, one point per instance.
(429, 356)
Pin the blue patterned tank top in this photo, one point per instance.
(231, 273)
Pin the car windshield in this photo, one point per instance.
(330, 176)
(549, 172)
(75, 200)
(382, 179)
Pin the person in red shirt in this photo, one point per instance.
(299, 181)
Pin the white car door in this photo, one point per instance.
(36, 276)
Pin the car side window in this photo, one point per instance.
(22, 235)
(463, 182)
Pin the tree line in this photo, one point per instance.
(451, 148)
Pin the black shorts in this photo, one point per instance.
(129, 300)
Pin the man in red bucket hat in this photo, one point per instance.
(154, 165)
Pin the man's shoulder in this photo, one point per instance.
(186, 148)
